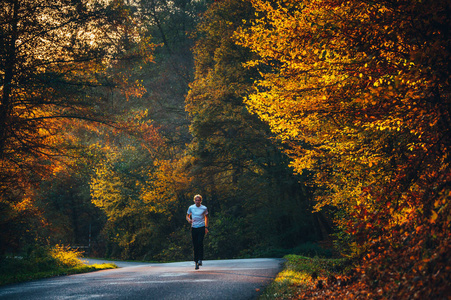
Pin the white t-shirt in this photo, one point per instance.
(198, 215)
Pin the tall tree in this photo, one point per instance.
(139, 186)
(236, 163)
(170, 24)
(65, 202)
(53, 55)
(152, 183)
(360, 92)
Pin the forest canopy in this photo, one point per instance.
(299, 122)
(359, 92)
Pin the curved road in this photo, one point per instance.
(217, 279)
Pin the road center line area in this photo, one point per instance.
(216, 279)
(161, 282)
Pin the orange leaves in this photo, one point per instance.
(338, 85)
(164, 186)
(25, 204)
(359, 104)
(434, 216)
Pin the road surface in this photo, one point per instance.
(233, 279)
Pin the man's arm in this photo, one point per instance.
(188, 218)
(206, 223)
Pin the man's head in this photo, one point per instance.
(198, 200)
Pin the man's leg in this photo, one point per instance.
(201, 245)
(195, 237)
(198, 243)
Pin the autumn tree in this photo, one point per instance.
(359, 91)
(169, 24)
(65, 202)
(139, 185)
(155, 152)
(53, 57)
(236, 162)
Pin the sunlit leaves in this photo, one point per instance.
(55, 57)
(347, 85)
(237, 161)
(164, 186)
(57, 83)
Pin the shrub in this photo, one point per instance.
(41, 262)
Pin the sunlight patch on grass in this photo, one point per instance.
(103, 266)
(293, 278)
(286, 284)
(45, 262)
(299, 273)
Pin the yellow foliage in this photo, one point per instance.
(65, 256)
(120, 196)
(341, 106)
(163, 186)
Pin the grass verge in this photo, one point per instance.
(44, 263)
(301, 273)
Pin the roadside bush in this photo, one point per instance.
(301, 273)
(65, 256)
(41, 262)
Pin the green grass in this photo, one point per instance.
(43, 263)
(299, 273)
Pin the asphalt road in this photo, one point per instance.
(233, 279)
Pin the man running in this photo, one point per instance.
(197, 216)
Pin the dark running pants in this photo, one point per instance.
(198, 235)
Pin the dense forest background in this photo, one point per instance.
(111, 127)
(300, 122)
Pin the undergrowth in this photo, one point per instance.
(301, 273)
(44, 262)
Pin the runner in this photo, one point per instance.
(197, 216)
